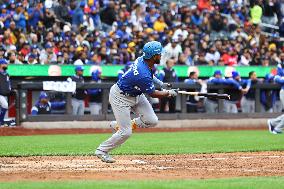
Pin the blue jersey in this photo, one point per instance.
(137, 80)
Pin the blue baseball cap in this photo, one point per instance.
(32, 56)
(235, 74)
(152, 48)
(96, 75)
(43, 95)
(3, 61)
(48, 45)
(79, 68)
(217, 72)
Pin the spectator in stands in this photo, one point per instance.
(95, 95)
(47, 56)
(193, 102)
(44, 106)
(78, 97)
(212, 55)
(32, 59)
(248, 100)
(171, 50)
(108, 16)
(168, 75)
(256, 13)
(77, 16)
(211, 104)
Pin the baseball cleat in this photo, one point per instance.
(270, 126)
(276, 132)
(104, 156)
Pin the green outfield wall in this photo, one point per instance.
(111, 70)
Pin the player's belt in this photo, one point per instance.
(124, 93)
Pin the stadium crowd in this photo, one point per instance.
(113, 32)
(203, 32)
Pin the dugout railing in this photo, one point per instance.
(23, 116)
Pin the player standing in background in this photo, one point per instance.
(78, 97)
(192, 102)
(230, 106)
(248, 100)
(44, 106)
(128, 95)
(168, 74)
(5, 89)
(95, 95)
(276, 125)
(267, 96)
(211, 104)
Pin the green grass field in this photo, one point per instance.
(147, 143)
(143, 143)
(239, 183)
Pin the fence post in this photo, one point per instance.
(221, 102)
(183, 104)
(22, 110)
(69, 103)
(105, 101)
(257, 100)
(18, 108)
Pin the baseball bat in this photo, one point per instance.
(211, 95)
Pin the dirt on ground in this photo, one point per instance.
(138, 167)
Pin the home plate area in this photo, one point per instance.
(139, 167)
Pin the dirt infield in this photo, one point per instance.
(143, 167)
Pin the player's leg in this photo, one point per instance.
(81, 107)
(210, 106)
(121, 107)
(245, 105)
(4, 108)
(147, 116)
(278, 123)
(95, 108)
(75, 106)
(172, 105)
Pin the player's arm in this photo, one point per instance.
(34, 110)
(161, 94)
(279, 79)
(148, 87)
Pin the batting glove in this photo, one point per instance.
(166, 86)
(171, 92)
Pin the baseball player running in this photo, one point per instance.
(276, 125)
(128, 95)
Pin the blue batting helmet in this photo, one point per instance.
(152, 48)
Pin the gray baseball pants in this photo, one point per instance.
(3, 102)
(248, 106)
(122, 106)
(211, 106)
(78, 106)
(230, 107)
(278, 122)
